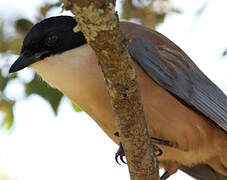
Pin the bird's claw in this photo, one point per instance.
(157, 150)
(120, 153)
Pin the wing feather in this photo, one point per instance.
(182, 78)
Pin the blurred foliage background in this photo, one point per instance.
(4, 176)
(148, 12)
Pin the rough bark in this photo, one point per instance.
(98, 21)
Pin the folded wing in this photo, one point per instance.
(181, 78)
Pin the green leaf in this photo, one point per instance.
(76, 108)
(6, 107)
(3, 42)
(37, 86)
(23, 26)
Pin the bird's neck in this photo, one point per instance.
(73, 72)
(76, 73)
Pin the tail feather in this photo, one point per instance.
(203, 172)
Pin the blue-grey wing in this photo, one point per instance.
(181, 78)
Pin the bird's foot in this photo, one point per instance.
(121, 153)
(157, 150)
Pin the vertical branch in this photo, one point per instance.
(98, 21)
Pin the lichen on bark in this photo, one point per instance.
(98, 21)
(94, 24)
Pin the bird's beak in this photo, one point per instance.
(25, 59)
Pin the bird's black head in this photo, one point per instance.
(49, 37)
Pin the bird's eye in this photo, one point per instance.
(51, 40)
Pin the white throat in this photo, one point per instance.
(76, 73)
(73, 72)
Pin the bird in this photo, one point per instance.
(186, 113)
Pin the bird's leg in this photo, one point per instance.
(167, 143)
(121, 153)
(167, 174)
(161, 142)
(170, 169)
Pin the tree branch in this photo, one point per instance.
(99, 23)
